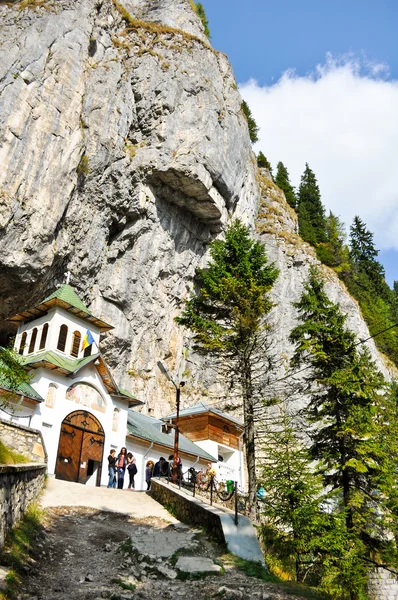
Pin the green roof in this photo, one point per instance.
(25, 389)
(68, 294)
(64, 297)
(73, 365)
(150, 429)
(62, 362)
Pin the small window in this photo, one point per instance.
(23, 343)
(50, 399)
(74, 351)
(63, 333)
(115, 421)
(43, 338)
(32, 341)
(87, 351)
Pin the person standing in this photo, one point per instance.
(112, 469)
(121, 464)
(132, 469)
(148, 474)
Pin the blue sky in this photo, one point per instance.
(321, 79)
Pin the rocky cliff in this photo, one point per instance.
(124, 152)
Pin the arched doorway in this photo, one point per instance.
(80, 449)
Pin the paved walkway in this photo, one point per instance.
(134, 504)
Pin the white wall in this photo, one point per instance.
(143, 452)
(55, 318)
(49, 420)
(231, 467)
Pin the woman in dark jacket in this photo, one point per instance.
(121, 464)
(112, 469)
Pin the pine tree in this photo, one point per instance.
(334, 252)
(344, 414)
(282, 180)
(263, 162)
(296, 526)
(364, 255)
(227, 318)
(251, 123)
(311, 213)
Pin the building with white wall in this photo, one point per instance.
(79, 408)
(217, 433)
(74, 400)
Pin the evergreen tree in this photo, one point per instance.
(296, 525)
(334, 252)
(263, 162)
(344, 412)
(251, 123)
(311, 213)
(282, 180)
(364, 255)
(227, 317)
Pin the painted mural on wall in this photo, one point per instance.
(86, 395)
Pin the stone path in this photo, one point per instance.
(126, 546)
(133, 504)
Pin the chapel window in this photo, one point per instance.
(23, 343)
(63, 333)
(74, 351)
(32, 341)
(50, 398)
(87, 350)
(43, 338)
(115, 420)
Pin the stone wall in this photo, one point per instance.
(19, 486)
(240, 539)
(188, 510)
(23, 440)
(383, 585)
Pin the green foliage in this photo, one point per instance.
(253, 127)
(12, 374)
(311, 213)
(334, 251)
(10, 457)
(233, 295)
(83, 167)
(296, 528)
(347, 421)
(200, 11)
(19, 548)
(227, 318)
(282, 180)
(263, 162)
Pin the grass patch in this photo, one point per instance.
(9, 457)
(152, 27)
(257, 570)
(124, 585)
(18, 549)
(83, 167)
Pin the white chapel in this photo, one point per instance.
(72, 397)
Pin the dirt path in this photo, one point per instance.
(83, 553)
(87, 551)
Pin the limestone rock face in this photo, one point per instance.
(123, 153)
(277, 228)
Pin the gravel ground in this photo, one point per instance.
(83, 553)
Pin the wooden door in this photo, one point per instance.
(80, 449)
(70, 441)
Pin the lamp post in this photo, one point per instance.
(176, 432)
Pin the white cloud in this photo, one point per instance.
(343, 120)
